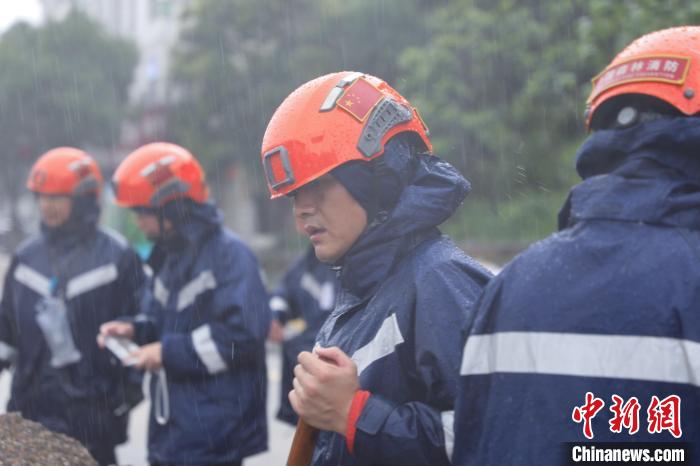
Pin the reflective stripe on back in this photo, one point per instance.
(655, 359)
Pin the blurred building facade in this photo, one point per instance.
(154, 26)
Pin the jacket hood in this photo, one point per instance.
(647, 173)
(433, 190)
(84, 215)
(191, 220)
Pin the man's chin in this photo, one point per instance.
(53, 223)
(325, 256)
(318, 251)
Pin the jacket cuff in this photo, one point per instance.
(358, 404)
(372, 421)
(178, 353)
(144, 329)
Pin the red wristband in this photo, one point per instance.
(358, 404)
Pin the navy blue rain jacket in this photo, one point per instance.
(211, 313)
(608, 305)
(306, 292)
(101, 278)
(405, 293)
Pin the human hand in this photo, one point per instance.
(115, 328)
(325, 383)
(148, 357)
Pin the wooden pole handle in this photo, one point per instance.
(303, 445)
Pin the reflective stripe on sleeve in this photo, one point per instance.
(205, 347)
(448, 421)
(278, 304)
(7, 353)
(160, 292)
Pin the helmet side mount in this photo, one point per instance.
(386, 115)
(279, 165)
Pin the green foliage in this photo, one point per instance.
(520, 220)
(502, 84)
(123, 221)
(238, 60)
(64, 83)
(227, 70)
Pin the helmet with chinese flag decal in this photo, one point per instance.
(659, 71)
(157, 173)
(332, 120)
(65, 171)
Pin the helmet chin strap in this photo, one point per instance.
(164, 235)
(161, 224)
(171, 238)
(380, 211)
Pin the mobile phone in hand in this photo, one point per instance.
(121, 347)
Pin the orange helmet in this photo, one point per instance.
(664, 65)
(157, 173)
(332, 120)
(65, 171)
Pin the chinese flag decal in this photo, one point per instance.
(160, 175)
(82, 169)
(360, 98)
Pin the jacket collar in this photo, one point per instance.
(434, 192)
(649, 173)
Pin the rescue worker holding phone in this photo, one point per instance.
(203, 333)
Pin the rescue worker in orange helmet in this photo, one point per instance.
(62, 284)
(355, 157)
(593, 333)
(203, 334)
